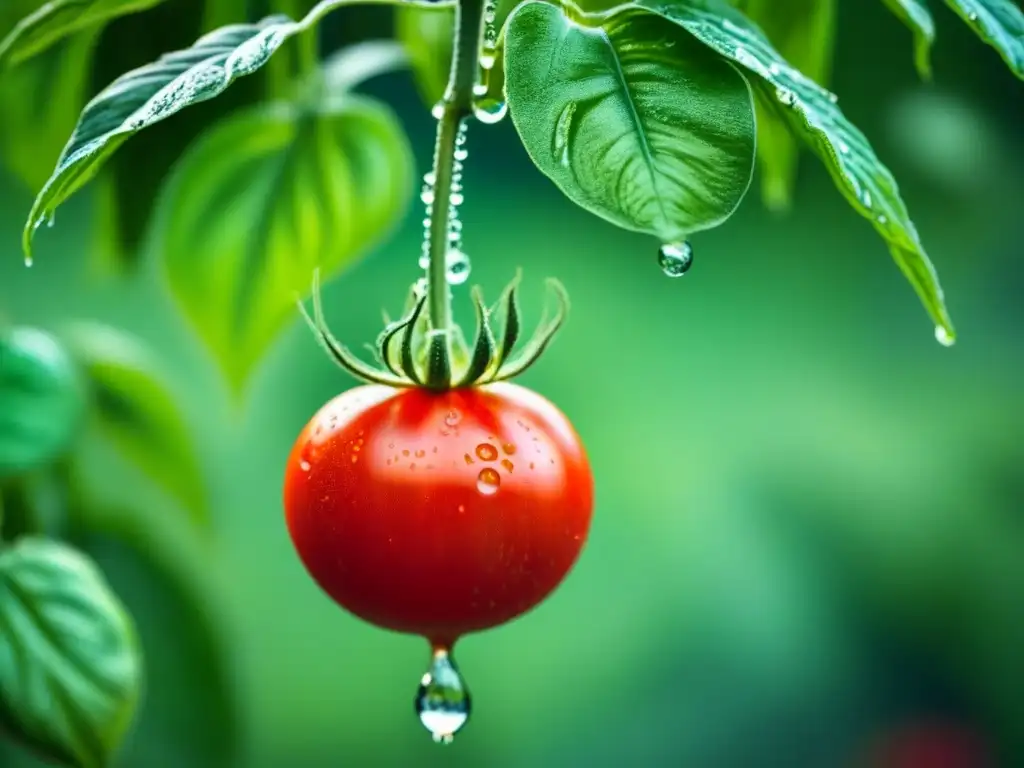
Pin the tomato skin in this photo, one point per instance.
(392, 502)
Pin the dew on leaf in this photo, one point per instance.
(943, 336)
(675, 259)
(489, 111)
(563, 126)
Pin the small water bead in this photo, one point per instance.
(675, 259)
(458, 268)
(943, 336)
(452, 418)
(490, 111)
(486, 452)
(427, 195)
(437, 111)
(488, 481)
(442, 701)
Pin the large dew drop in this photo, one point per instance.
(675, 259)
(442, 701)
(457, 268)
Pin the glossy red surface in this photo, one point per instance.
(438, 514)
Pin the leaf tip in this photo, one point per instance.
(945, 335)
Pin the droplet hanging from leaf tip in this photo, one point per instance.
(944, 337)
(675, 259)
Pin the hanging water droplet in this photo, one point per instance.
(424, 262)
(944, 337)
(28, 261)
(488, 481)
(442, 701)
(490, 111)
(487, 59)
(457, 198)
(457, 267)
(675, 259)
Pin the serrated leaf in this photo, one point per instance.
(917, 17)
(70, 667)
(135, 411)
(1000, 23)
(153, 93)
(803, 31)
(57, 19)
(633, 119)
(41, 401)
(813, 113)
(32, 129)
(268, 196)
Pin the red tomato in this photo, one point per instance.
(438, 514)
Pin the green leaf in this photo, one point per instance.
(41, 401)
(70, 667)
(1000, 23)
(56, 20)
(633, 119)
(813, 113)
(152, 93)
(268, 196)
(427, 35)
(32, 129)
(135, 411)
(915, 14)
(803, 31)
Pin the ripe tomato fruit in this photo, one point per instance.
(438, 513)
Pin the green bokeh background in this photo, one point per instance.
(808, 538)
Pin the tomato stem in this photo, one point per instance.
(451, 111)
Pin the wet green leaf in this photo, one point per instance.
(813, 113)
(1000, 23)
(915, 14)
(427, 34)
(137, 413)
(41, 400)
(33, 129)
(70, 667)
(803, 31)
(634, 120)
(152, 93)
(268, 196)
(57, 19)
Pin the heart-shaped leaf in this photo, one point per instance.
(41, 402)
(915, 14)
(134, 410)
(633, 119)
(1000, 23)
(70, 666)
(57, 19)
(266, 197)
(804, 32)
(812, 113)
(154, 92)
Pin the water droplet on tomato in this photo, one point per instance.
(508, 448)
(304, 465)
(452, 418)
(442, 701)
(508, 465)
(675, 259)
(488, 481)
(486, 452)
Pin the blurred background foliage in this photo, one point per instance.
(808, 548)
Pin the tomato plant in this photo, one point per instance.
(650, 114)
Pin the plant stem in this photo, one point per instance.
(455, 107)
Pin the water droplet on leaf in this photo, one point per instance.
(563, 126)
(675, 259)
(943, 336)
(442, 701)
(489, 110)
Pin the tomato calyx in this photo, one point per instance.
(409, 352)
